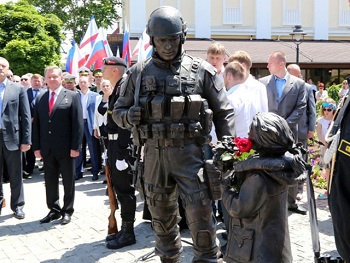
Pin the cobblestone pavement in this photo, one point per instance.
(83, 239)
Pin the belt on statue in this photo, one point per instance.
(112, 136)
(171, 142)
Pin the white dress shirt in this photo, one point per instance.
(247, 99)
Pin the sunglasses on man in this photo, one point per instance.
(326, 109)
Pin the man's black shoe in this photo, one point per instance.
(52, 215)
(95, 177)
(27, 175)
(66, 219)
(299, 210)
(122, 239)
(125, 237)
(19, 214)
(78, 176)
(111, 237)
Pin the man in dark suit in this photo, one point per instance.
(32, 93)
(88, 101)
(57, 138)
(307, 122)
(15, 136)
(286, 97)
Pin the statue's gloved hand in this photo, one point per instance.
(134, 115)
(227, 178)
(121, 165)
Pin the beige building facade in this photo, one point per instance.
(250, 19)
(261, 27)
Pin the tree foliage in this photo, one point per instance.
(28, 40)
(76, 14)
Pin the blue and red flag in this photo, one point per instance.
(89, 38)
(143, 48)
(126, 46)
(75, 59)
(97, 55)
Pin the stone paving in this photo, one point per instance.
(83, 239)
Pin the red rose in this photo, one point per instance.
(243, 144)
(238, 154)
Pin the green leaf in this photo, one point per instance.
(226, 157)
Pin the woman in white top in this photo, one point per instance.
(321, 94)
(100, 119)
(344, 89)
(322, 124)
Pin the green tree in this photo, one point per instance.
(28, 40)
(76, 14)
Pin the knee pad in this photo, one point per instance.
(204, 239)
(159, 227)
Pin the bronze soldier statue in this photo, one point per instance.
(172, 98)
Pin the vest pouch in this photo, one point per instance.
(158, 106)
(158, 131)
(173, 86)
(145, 104)
(193, 107)
(145, 131)
(194, 129)
(241, 240)
(177, 131)
(177, 106)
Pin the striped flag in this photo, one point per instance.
(143, 48)
(103, 35)
(126, 46)
(98, 53)
(89, 38)
(75, 60)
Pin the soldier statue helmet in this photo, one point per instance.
(166, 21)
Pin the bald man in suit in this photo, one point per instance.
(15, 136)
(286, 95)
(307, 123)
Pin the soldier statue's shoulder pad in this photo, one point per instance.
(209, 67)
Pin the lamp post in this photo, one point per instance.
(297, 35)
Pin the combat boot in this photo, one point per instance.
(125, 237)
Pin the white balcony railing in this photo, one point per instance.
(344, 18)
(291, 17)
(232, 16)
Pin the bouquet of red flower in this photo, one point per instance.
(231, 150)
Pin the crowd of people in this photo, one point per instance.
(171, 110)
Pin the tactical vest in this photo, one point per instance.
(172, 107)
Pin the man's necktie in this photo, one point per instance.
(51, 102)
(34, 96)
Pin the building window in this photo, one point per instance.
(173, 3)
(291, 12)
(344, 13)
(232, 12)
